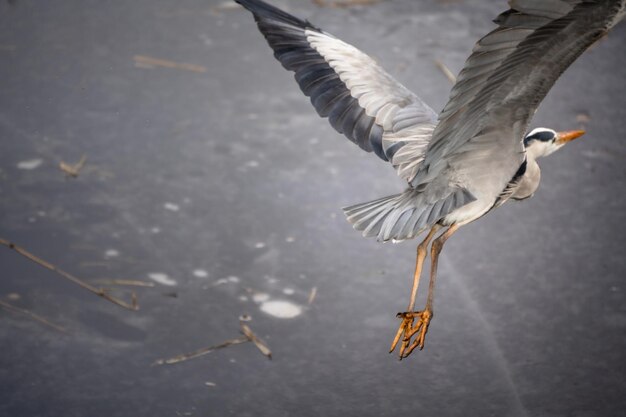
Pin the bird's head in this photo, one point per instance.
(543, 141)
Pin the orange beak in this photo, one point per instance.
(564, 137)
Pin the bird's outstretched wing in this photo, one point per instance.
(504, 80)
(360, 99)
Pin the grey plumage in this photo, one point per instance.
(297, 44)
(463, 163)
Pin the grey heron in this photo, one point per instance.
(465, 161)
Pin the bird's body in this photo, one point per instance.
(471, 157)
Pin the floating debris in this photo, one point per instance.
(30, 164)
(200, 352)
(248, 336)
(254, 338)
(210, 384)
(32, 315)
(446, 71)
(124, 282)
(143, 61)
(162, 278)
(101, 292)
(73, 170)
(281, 309)
(312, 295)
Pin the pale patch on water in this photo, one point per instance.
(111, 253)
(281, 309)
(206, 39)
(171, 206)
(161, 278)
(270, 280)
(200, 273)
(260, 297)
(259, 245)
(288, 291)
(30, 164)
(228, 280)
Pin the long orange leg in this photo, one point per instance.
(426, 315)
(407, 319)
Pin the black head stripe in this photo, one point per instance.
(543, 136)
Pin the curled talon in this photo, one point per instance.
(407, 323)
(407, 330)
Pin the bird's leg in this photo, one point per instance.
(426, 315)
(407, 317)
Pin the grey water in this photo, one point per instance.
(209, 176)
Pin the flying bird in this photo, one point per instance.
(473, 156)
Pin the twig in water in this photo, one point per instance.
(200, 352)
(73, 170)
(150, 62)
(245, 329)
(32, 315)
(312, 295)
(101, 292)
(225, 6)
(446, 71)
(124, 282)
(248, 336)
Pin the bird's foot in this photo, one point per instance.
(407, 330)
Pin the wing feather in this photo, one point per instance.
(359, 97)
(508, 74)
